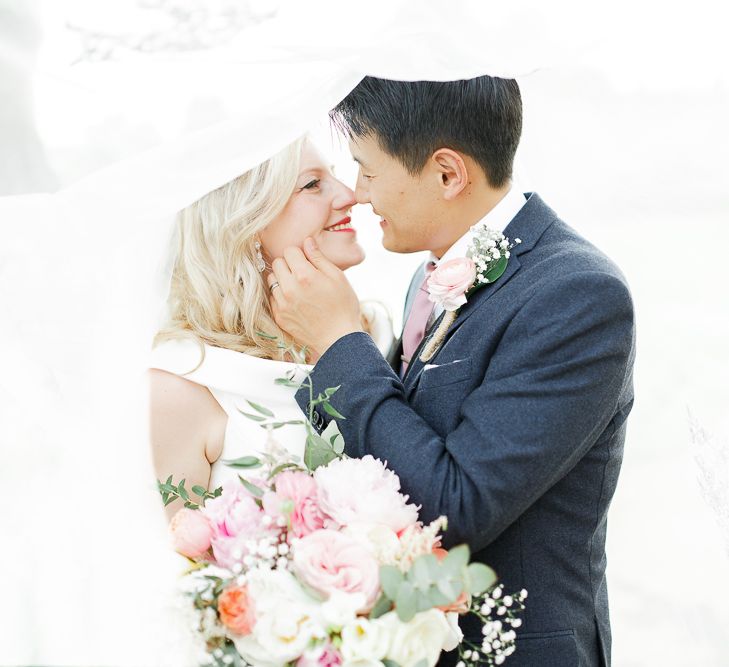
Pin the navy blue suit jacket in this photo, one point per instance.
(514, 429)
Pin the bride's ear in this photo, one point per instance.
(451, 172)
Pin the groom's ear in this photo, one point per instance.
(451, 171)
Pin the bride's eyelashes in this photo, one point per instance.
(314, 183)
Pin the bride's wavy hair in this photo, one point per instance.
(217, 294)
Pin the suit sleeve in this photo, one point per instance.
(550, 390)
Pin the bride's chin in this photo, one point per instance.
(344, 263)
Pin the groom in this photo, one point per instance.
(515, 427)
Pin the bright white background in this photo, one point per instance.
(630, 147)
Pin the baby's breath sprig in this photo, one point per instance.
(490, 250)
(498, 615)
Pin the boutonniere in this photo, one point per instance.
(453, 282)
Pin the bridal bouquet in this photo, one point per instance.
(325, 563)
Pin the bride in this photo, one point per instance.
(220, 346)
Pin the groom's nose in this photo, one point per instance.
(361, 193)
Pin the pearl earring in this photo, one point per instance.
(260, 262)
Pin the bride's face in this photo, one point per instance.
(318, 207)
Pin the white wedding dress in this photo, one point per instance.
(234, 378)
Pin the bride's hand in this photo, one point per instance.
(311, 299)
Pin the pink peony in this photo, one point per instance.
(329, 561)
(363, 491)
(298, 491)
(191, 532)
(326, 656)
(450, 281)
(235, 518)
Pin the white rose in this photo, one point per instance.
(340, 609)
(364, 640)
(280, 636)
(286, 620)
(455, 636)
(423, 638)
(382, 542)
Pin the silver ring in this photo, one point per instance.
(273, 287)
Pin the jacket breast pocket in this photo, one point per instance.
(445, 374)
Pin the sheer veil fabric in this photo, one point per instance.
(83, 278)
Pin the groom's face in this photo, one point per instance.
(408, 205)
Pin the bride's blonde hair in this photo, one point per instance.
(217, 294)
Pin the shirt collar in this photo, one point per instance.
(497, 219)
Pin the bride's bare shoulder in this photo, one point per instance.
(172, 395)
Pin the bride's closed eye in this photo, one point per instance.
(314, 183)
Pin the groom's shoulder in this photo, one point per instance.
(562, 250)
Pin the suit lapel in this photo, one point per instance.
(528, 225)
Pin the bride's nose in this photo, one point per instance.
(344, 198)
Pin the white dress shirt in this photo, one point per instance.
(497, 219)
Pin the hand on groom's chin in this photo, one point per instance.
(311, 299)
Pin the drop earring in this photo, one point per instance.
(260, 262)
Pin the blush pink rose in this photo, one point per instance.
(450, 281)
(235, 518)
(329, 561)
(327, 656)
(298, 490)
(191, 532)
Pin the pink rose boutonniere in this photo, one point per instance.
(452, 282)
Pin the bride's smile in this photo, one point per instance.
(318, 207)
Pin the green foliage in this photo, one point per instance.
(432, 583)
(248, 462)
(170, 492)
(318, 452)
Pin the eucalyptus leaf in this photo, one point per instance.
(282, 467)
(406, 602)
(266, 336)
(251, 488)
(334, 436)
(199, 490)
(437, 598)
(171, 500)
(330, 391)
(248, 462)
(451, 589)
(182, 491)
(286, 382)
(261, 409)
(255, 418)
(318, 452)
(422, 600)
(419, 573)
(382, 606)
(480, 578)
(457, 559)
(390, 580)
(331, 410)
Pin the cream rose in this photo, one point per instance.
(423, 638)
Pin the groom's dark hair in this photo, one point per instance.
(480, 117)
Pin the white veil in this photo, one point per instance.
(83, 278)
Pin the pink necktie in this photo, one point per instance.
(414, 329)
